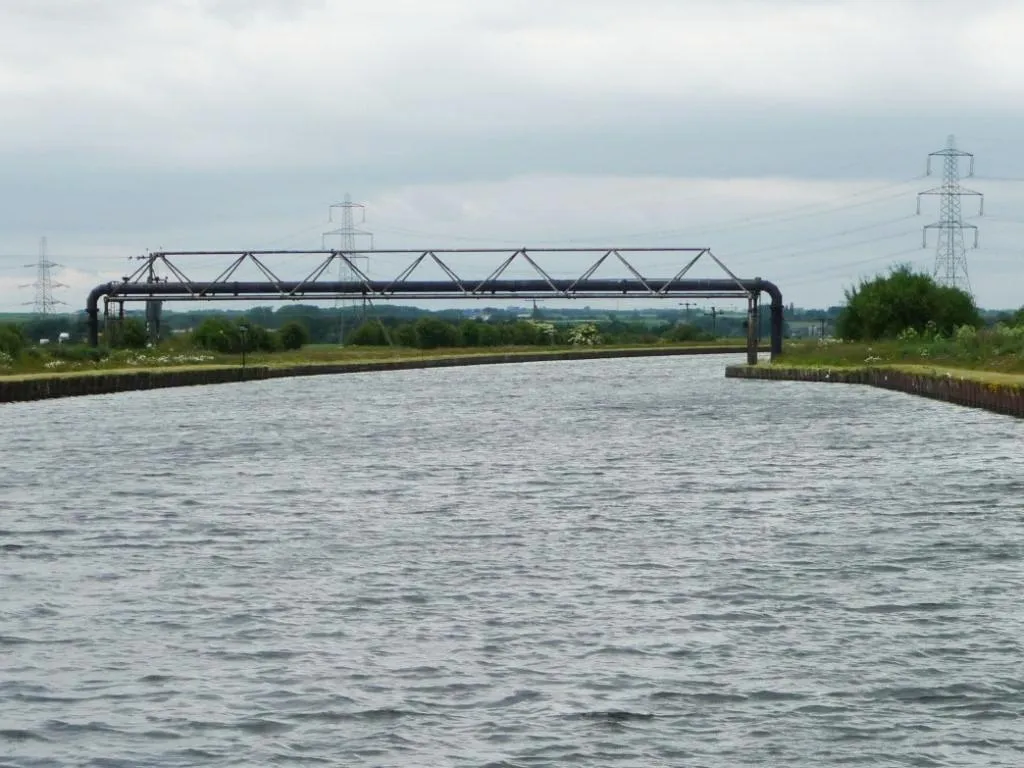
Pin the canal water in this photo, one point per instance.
(603, 563)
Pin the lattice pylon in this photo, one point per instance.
(951, 250)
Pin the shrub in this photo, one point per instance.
(904, 300)
(584, 335)
(685, 332)
(293, 335)
(472, 332)
(12, 342)
(432, 333)
(405, 335)
(369, 334)
(218, 334)
(133, 334)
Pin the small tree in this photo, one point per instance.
(889, 305)
(133, 334)
(685, 332)
(405, 335)
(12, 342)
(369, 334)
(470, 330)
(217, 334)
(584, 335)
(293, 335)
(432, 332)
(257, 338)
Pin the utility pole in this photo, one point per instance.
(154, 308)
(950, 251)
(714, 322)
(243, 329)
(45, 301)
(686, 305)
(348, 232)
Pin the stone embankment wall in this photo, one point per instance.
(1001, 398)
(45, 387)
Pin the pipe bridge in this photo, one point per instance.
(147, 285)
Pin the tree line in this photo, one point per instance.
(886, 306)
(433, 333)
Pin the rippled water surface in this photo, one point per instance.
(622, 563)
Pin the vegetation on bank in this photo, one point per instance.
(999, 349)
(904, 301)
(907, 319)
(332, 325)
(901, 318)
(220, 341)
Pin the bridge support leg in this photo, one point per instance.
(154, 314)
(777, 327)
(752, 329)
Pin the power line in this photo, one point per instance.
(950, 251)
(801, 278)
(1004, 219)
(739, 255)
(819, 238)
(776, 218)
(268, 243)
(783, 215)
(842, 246)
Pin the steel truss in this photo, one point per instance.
(144, 285)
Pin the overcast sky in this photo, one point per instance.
(790, 137)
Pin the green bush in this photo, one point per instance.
(473, 332)
(405, 335)
(584, 335)
(257, 338)
(293, 335)
(12, 342)
(133, 334)
(682, 332)
(433, 333)
(369, 334)
(885, 307)
(219, 334)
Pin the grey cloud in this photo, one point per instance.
(147, 122)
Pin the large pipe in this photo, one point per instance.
(383, 289)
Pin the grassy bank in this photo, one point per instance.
(125, 361)
(995, 354)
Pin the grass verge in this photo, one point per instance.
(155, 360)
(990, 359)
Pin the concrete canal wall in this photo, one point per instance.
(72, 385)
(997, 397)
